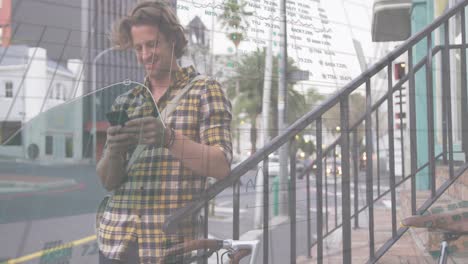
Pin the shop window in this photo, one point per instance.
(58, 91)
(9, 89)
(49, 145)
(69, 147)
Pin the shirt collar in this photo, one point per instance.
(182, 76)
(181, 79)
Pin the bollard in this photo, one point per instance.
(276, 196)
(275, 190)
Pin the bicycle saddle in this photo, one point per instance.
(456, 221)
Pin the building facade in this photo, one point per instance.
(425, 12)
(79, 29)
(32, 89)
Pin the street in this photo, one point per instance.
(64, 214)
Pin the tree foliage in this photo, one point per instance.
(250, 72)
(357, 107)
(234, 20)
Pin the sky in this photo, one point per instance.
(320, 35)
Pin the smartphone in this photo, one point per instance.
(117, 118)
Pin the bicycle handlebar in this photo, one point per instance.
(238, 249)
(191, 245)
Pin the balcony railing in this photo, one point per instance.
(436, 63)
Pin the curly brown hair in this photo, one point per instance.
(155, 13)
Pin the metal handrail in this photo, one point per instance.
(345, 143)
(303, 122)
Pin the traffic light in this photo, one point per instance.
(399, 70)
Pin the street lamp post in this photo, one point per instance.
(93, 105)
(282, 113)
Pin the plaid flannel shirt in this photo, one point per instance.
(157, 183)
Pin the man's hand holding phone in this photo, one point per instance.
(111, 168)
(148, 130)
(118, 141)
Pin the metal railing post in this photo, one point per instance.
(391, 148)
(355, 166)
(205, 227)
(448, 96)
(402, 145)
(266, 210)
(325, 167)
(445, 110)
(292, 200)
(236, 208)
(377, 151)
(430, 116)
(309, 229)
(369, 169)
(412, 124)
(335, 186)
(319, 186)
(205, 219)
(345, 180)
(464, 93)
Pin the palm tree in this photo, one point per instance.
(235, 20)
(250, 76)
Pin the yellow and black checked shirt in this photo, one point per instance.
(157, 183)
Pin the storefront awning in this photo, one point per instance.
(391, 20)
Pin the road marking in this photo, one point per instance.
(41, 253)
(229, 210)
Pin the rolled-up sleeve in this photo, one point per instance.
(215, 118)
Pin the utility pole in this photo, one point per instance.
(212, 42)
(236, 43)
(282, 114)
(264, 135)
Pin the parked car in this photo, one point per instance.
(363, 161)
(274, 166)
(331, 169)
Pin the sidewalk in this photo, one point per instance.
(415, 246)
(404, 251)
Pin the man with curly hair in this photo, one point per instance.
(172, 169)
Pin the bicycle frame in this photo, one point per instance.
(230, 244)
(443, 252)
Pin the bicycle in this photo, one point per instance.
(236, 250)
(452, 225)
